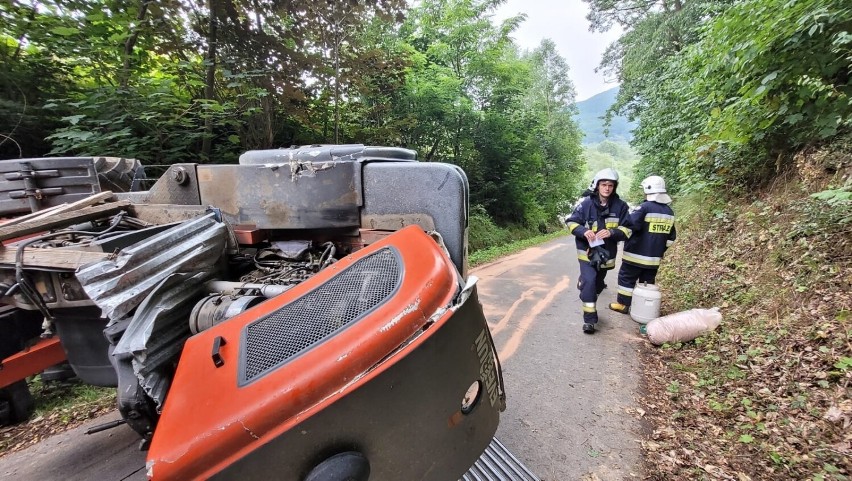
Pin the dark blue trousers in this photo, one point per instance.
(591, 284)
(628, 275)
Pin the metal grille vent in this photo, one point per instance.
(307, 321)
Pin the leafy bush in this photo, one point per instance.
(483, 231)
(152, 120)
(765, 78)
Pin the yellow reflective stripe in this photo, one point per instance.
(626, 231)
(609, 264)
(582, 256)
(659, 223)
(642, 260)
(572, 226)
(589, 307)
(625, 291)
(659, 228)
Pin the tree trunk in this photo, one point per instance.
(23, 34)
(336, 91)
(209, 92)
(433, 149)
(457, 140)
(131, 41)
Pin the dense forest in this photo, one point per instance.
(187, 81)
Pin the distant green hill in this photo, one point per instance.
(591, 122)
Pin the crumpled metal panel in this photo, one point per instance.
(118, 286)
(159, 328)
(169, 303)
(498, 464)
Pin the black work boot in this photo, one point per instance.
(588, 328)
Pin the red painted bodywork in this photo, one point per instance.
(208, 421)
(37, 358)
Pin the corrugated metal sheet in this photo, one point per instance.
(168, 305)
(118, 286)
(498, 464)
(158, 330)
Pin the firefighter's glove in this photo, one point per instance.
(598, 256)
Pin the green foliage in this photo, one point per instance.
(483, 233)
(836, 197)
(67, 396)
(23, 122)
(175, 82)
(760, 79)
(618, 155)
(472, 99)
(151, 119)
(787, 68)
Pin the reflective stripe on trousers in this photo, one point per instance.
(590, 284)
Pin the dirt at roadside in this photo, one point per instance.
(768, 395)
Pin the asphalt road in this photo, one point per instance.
(571, 410)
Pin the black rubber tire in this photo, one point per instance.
(19, 399)
(347, 466)
(119, 174)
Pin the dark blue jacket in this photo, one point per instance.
(589, 214)
(653, 227)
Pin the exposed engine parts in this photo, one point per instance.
(216, 308)
(276, 269)
(290, 262)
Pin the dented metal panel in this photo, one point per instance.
(158, 330)
(429, 194)
(301, 195)
(117, 286)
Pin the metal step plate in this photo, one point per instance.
(498, 464)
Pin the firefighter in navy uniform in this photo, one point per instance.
(653, 228)
(598, 217)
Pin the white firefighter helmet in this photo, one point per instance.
(604, 174)
(655, 189)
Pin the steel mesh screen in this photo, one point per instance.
(305, 322)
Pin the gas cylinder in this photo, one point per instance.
(646, 303)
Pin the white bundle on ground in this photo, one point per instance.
(683, 326)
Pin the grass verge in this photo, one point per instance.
(489, 254)
(59, 406)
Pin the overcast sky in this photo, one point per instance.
(564, 22)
